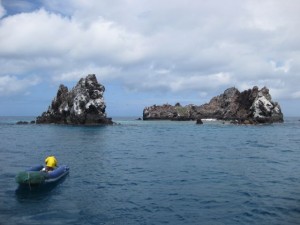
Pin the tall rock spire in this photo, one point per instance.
(84, 104)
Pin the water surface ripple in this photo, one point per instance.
(155, 172)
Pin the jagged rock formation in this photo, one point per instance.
(249, 107)
(84, 104)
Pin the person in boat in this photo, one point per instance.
(51, 163)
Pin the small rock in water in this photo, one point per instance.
(199, 121)
(22, 122)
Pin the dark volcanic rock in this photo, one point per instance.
(250, 106)
(199, 121)
(22, 122)
(84, 104)
(167, 112)
(25, 122)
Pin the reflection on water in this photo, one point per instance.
(36, 192)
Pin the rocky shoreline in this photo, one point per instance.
(251, 106)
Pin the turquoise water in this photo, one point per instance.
(154, 172)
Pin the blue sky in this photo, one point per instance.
(148, 52)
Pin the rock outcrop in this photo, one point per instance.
(25, 122)
(83, 105)
(249, 107)
(169, 112)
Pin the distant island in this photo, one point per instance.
(251, 106)
(83, 105)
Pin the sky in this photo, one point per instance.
(148, 52)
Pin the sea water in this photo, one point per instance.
(154, 172)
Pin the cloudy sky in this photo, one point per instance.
(148, 52)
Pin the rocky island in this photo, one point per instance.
(83, 105)
(251, 106)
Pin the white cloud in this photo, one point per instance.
(197, 46)
(41, 33)
(176, 83)
(201, 83)
(103, 73)
(10, 85)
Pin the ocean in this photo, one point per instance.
(154, 172)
